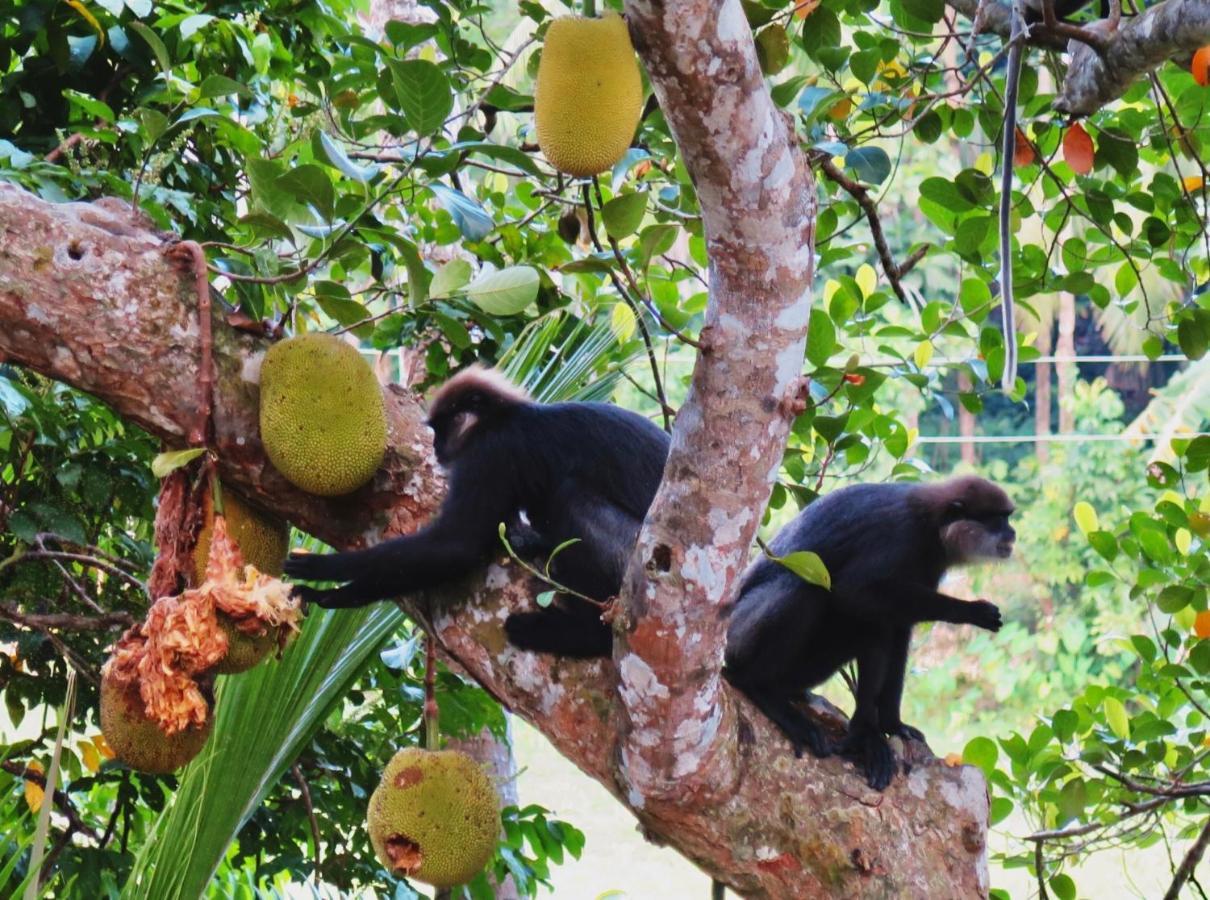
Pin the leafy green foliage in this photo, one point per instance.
(386, 184)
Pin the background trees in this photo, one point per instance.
(386, 184)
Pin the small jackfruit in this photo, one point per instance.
(136, 739)
(263, 540)
(434, 817)
(322, 416)
(589, 93)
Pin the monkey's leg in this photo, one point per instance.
(573, 629)
(865, 742)
(793, 722)
(892, 691)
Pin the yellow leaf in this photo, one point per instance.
(953, 759)
(1185, 619)
(985, 164)
(830, 287)
(33, 790)
(922, 354)
(89, 18)
(90, 756)
(1115, 715)
(1086, 517)
(1193, 183)
(1183, 541)
(1172, 497)
(867, 279)
(622, 322)
(102, 745)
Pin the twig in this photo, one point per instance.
(60, 798)
(894, 272)
(638, 317)
(1040, 869)
(66, 621)
(634, 286)
(296, 770)
(1192, 858)
(432, 730)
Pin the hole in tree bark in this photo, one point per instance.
(661, 558)
(75, 251)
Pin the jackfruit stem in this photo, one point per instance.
(216, 492)
(432, 733)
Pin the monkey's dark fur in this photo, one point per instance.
(577, 470)
(886, 547)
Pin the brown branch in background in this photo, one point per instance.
(65, 621)
(894, 272)
(1040, 869)
(310, 807)
(1189, 864)
(61, 800)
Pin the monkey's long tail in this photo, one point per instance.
(1008, 151)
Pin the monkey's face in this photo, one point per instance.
(455, 423)
(978, 537)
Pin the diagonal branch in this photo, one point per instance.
(1096, 76)
(88, 297)
(894, 271)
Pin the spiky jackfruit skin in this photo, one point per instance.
(263, 539)
(434, 817)
(322, 416)
(589, 93)
(138, 741)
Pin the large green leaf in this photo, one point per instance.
(263, 718)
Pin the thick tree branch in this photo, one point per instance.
(1171, 30)
(757, 197)
(88, 297)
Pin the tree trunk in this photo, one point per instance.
(1065, 365)
(88, 297)
(496, 756)
(966, 423)
(1042, 400)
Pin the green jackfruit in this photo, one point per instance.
(138, 741)
(434, 817)
(589, 93)
(264, 541)
(322, 416)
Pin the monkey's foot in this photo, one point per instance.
(873, 753)
(907, 732)
(985, 614)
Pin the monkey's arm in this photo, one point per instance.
(900, 603)
(459, 540)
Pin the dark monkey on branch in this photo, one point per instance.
(886, 547)
(578, 471)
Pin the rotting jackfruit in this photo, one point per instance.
(322, 416)
(589, 93)
(136, 739)
(434, 817)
